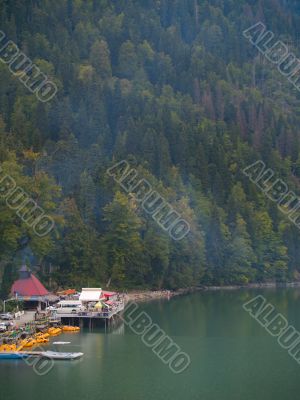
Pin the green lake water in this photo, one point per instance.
(232, 356)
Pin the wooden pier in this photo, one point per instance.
(94, 314)
(91, 316)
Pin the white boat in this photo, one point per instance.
(61, 343)
(54, 355)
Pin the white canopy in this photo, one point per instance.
(90, 294)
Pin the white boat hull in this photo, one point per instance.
(53, 355)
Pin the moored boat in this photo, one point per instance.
(54, 331)
(68, 328)
(8, 347)
(28, 342)
(42, 334)
(12, 355)
(53, 355)
(41, 340)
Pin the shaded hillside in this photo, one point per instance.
(175, 89)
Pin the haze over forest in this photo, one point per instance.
(175, 89)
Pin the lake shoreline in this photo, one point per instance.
(149, 295)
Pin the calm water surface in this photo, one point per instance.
(233, 357)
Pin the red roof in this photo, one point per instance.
(109, 294)
(30, 286)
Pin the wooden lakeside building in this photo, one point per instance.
(93, 305)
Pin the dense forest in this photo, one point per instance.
(174, 88)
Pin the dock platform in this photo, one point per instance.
(93, 314)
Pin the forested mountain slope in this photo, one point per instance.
(174, 88)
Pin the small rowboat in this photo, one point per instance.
(53, 355)
(61, 343)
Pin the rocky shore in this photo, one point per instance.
(148, 295)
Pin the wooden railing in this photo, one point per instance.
(94, 313)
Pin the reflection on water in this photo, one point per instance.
(118, 330)
(232, 356)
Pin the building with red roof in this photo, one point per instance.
(28, 285)
(28, 288)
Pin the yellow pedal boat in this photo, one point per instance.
(42, 340)
(8, 347)
(68, 328)
(42, 335)
(54, 331)
(28, 342)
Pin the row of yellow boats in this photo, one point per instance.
(38, 338)
(67, 328)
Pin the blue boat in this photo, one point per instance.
(12, 355)
(53, 355)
